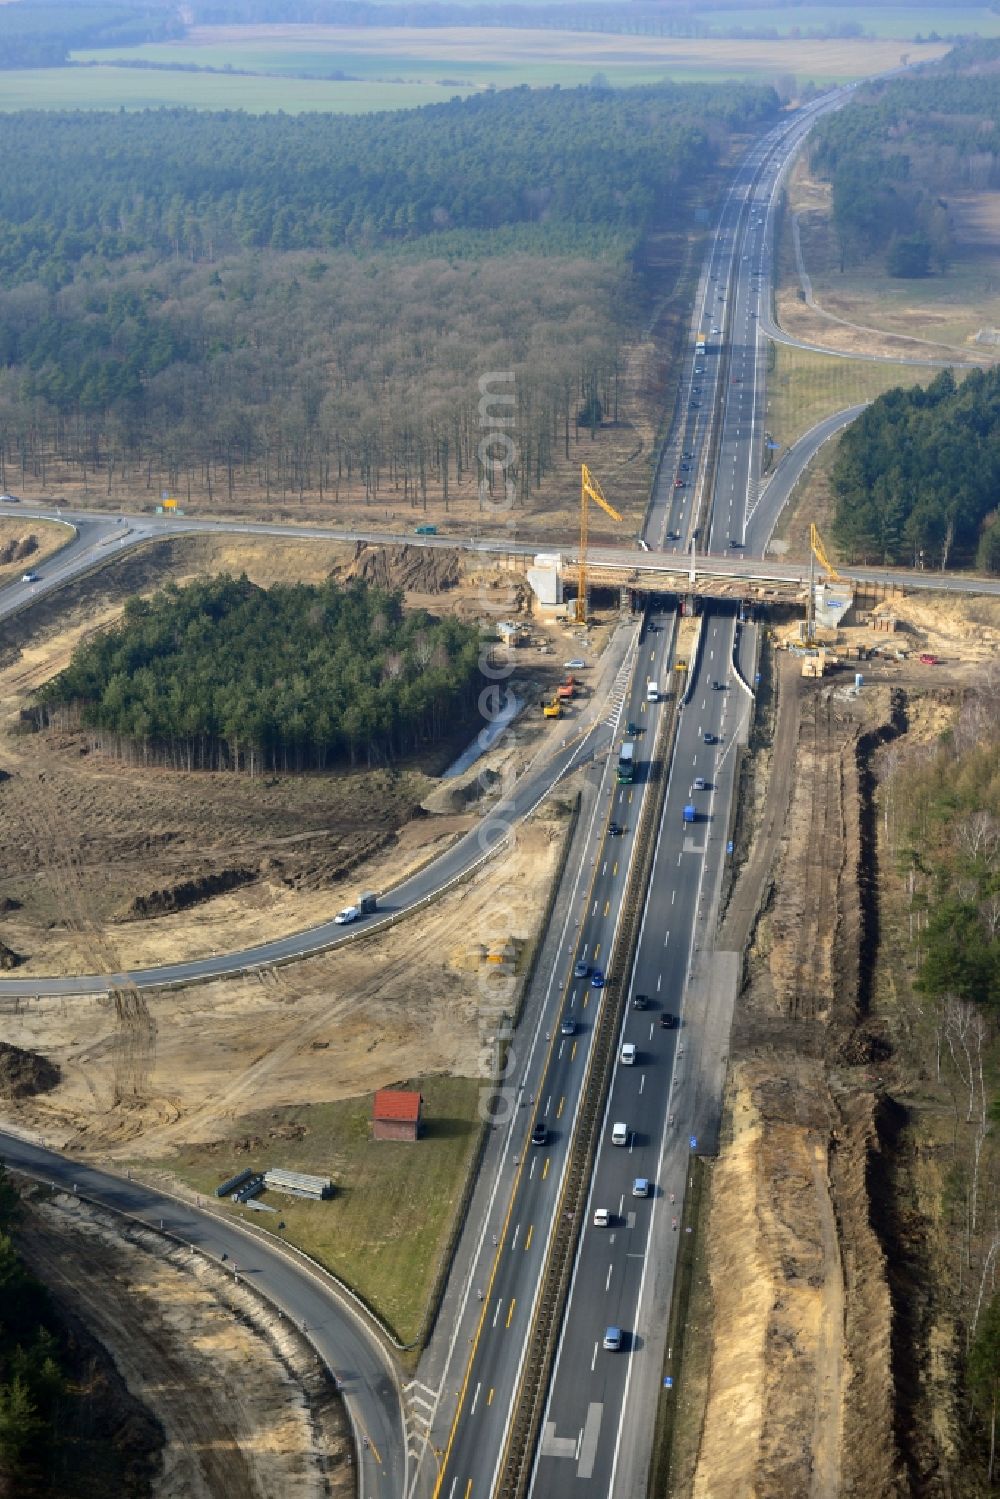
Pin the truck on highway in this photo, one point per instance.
(425, 530)
(699, 345)
(690, 813)
(652, 691)
(626, 763)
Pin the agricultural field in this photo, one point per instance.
(891, 21)
(357, 69)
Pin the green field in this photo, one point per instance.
(903, 22)
(395, 67)
(388, 1224)
(135, 88)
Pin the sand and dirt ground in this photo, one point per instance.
(244, 1405)
(799, 1397)
(169, 864)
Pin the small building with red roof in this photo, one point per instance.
(397, 1114)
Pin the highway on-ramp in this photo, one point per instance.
(347, 1344)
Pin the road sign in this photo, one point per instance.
(694, 1142)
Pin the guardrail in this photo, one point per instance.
(525, 1425)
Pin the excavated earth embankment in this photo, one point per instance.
(801, 1397)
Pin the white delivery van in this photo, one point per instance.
(619, 1133)
(652, 692)
(628, 1054)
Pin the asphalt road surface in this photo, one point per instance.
(346, 1345)
(509, 1271)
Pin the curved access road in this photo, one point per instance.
(427, 883)
(346, 1341)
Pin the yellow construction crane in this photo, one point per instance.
(819, 552)
(590, 489)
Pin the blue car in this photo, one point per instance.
(597, 979)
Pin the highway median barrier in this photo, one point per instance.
(529, 1405)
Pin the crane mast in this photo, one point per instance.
(590, 489)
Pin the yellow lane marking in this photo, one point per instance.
(572, 1055)
(614, 871)
(560, 1108)
(527, 1237)
(489, 1398)
(513, 1304)
(597, 950)
(545, 1168)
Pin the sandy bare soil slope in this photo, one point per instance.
(800, 1397)
(408, 1002)
(244, 1405)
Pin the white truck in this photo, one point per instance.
(652, 692)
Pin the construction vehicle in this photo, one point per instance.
(552, 709)
(589, 490)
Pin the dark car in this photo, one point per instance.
(640, 1001)
(615, 829)
(673, 536)
(597, 979)
(678, 483)
(719, 686)
(668, 1021)
(632, 728)
(539, 1135)
(735, 544)
(709, 738)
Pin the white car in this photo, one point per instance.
(601, 1217)
(347, 915)
(575, 665)
(29, 577)
(9, 499)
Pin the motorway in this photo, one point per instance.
(596, 1437)
(589, 1436)
(589, 1400)
(510, 1272)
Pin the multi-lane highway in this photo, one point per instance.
(587, 1410)
(707, 492)
(508, 1273)
(650, 1095)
